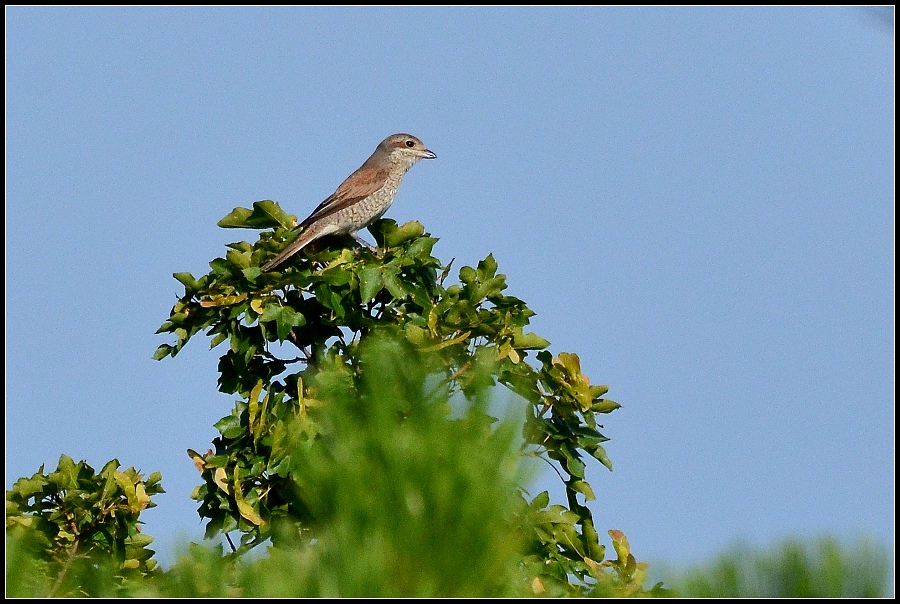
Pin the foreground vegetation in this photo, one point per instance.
(816, 568)
(371, 450)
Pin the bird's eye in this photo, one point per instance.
(409, 143)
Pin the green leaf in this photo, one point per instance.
(221, 267)
(371, 281)
(541, 501)
(109, 471)
(26, 487)
(421, 247)
(239, 259)
(400, 235)
(337, 274)
(581, 486)
(271, 312)
(139, 540)
(598, 390)
(163, 351)
(604, 405)
(286, 319)
(244, 507)
(66, 475)
(265, 214)
(394, 284)
(529, 341)
(246, 510)
(467, 275)
(153, 479)
(487, 268)
(574, 466)
(190, 284)
(218, 339)
(222, 301)
(252, 273)
(600, 455)
(570, 362)
(229, 426)
(415, 335)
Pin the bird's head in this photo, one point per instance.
(405, 148)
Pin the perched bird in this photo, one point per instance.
(361, 199)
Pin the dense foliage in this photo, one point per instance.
(289, 331)
(371, 448)
(77, 517)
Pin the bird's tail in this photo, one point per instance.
(295, 246)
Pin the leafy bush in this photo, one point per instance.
(74, 522)
(294, 335)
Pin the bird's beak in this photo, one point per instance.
(426, 154)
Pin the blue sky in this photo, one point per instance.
(697, 201)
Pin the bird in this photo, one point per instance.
(362, 198)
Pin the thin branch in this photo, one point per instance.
(549, 463)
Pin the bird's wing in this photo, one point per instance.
(358, 186)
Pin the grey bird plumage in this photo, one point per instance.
(362, 198)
